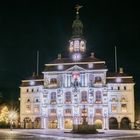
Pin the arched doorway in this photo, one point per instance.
(113, 123)
(68, 124)
(125, 123)
(53, 124)
(27, 122)
(37, 122)
(98, 124)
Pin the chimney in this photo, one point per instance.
(121, 70)
(59, 56)
(92, 55)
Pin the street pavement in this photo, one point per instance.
(47, 134)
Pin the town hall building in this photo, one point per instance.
(75, 83)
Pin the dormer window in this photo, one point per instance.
(118, 80)
(60, 67)
(32, 82)
(90, 65)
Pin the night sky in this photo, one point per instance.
(27, 26)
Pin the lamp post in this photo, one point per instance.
(12, 117)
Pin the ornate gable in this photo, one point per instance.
(75, 68)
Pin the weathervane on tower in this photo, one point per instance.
(77, 7)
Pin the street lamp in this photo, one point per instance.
(12, 117)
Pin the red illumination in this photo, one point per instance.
(75, 75)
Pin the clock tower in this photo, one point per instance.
(77, 43)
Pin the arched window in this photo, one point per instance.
(98, 79)
(98, 97)
(53, 81)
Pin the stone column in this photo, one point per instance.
(58, 122)
(32, 124)
(46, 122)
(132, 125)
(119, 125)
(61, 123)
(43, 122)
(22, 125)
(90, 120)
(105, 123)
(75, 120)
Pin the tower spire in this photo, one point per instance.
(77, 25)
(78, 7)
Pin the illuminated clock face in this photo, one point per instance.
(76, 56)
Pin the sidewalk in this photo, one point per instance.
(66, 135)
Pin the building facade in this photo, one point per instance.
(75, 83)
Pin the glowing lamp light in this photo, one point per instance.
(32, 83)
(118, 79)
(71, 49)
(76, 56)
(75, 75)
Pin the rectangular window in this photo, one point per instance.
(68, 111)
(124, 108)
(68, 97)
(114, 108)
(124, 87)
(98, 97)
(84, 96)
(28, 108)
(98, 112)
(36, 108)
(53, 97)
(53, 112)
(118, 88)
